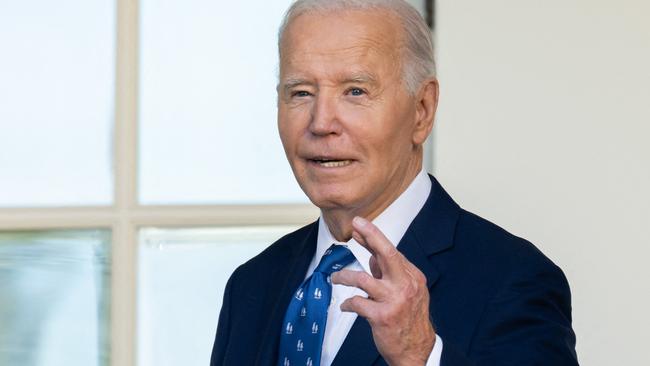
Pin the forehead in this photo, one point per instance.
(341, 41)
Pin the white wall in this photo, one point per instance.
(544, 128)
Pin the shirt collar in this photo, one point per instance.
(393, 222)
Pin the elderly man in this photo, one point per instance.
(394, 271)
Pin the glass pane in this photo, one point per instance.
(56, 99)
(181, 278)
(54, 288)
(208, 104)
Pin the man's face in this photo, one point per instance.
(345, 117)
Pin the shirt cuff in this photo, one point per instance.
(436, 353)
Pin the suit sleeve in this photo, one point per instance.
(452, 356)
(223, 328)
(529, 321)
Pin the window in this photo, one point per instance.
(134, 136)
(55, 297)
(56, 101)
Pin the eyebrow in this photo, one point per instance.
(359, 78)
(294, 82)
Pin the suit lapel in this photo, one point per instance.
(431, 232)
(289, 278)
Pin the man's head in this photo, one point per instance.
(356, 99)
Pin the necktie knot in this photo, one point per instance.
(335, 258)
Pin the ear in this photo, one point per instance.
(425, 110)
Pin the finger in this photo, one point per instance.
(366, 308)
(374, 267)
(359, 279)
(388, 258)
(357, 237)
(372, 238)
(414, 274)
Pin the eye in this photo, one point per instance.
(300, 94)
(357, 92)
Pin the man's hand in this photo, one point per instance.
(397, 306)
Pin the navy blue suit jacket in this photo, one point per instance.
(495, 298)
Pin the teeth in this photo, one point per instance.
(334, 163)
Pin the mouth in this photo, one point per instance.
(330, 162)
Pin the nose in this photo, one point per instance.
(324, 117)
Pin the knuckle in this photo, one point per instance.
(355, 302)
(391, 251)
(364, 279)
(383, 318)
(421, 279)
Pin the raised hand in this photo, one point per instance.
(397, 306)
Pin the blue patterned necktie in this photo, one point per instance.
(301, 340)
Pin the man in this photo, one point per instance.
(423, 281)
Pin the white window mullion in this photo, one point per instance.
(123, 293)
(124, 239)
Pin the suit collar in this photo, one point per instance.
(430, 233)
(435, 224)
(289, 277)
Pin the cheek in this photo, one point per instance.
(285, 123)
(287, 142)
(290, 138)
(292, 121)
(388, 144)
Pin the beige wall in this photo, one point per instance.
(544, 128)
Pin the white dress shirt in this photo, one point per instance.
(393, 222)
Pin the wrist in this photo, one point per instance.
(419, 358)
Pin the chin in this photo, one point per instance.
(328, 198)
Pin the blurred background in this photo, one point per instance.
(134, 136)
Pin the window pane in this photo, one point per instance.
(56, 99)
(181, 278)
(208, 104)
(54, 288)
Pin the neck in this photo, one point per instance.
(339, 220)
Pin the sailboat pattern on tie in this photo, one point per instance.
(304, 323)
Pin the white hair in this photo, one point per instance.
(418, 62)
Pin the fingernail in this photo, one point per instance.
(360, 221)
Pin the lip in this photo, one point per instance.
(326, 157)
(329, 163)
